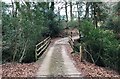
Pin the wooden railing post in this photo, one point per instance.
(80, 53)
(36, 52)
(71, 41)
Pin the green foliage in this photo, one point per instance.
(73, 23)
(77, 47)
(52, 23)
(24, 27)
(102, 45)
(113, 22)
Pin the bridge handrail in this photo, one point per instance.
(71, 42)
(40, 47)
(43, 41)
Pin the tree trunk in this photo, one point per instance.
(87, 10)
(51, 18)
(59, 13)
(12, 8)
(16, 28)
(95, 16)
(52, 6)
(71, 11)
(23, 53)
(78, 13)
(66, 11)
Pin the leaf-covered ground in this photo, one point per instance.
(89, 69)
(19, 70)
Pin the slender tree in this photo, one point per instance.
(87, 10)
(71, 16)
(66, 11)
(78, 13)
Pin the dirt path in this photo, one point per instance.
(57, 62)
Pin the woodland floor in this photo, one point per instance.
(60, 67)
(89, 69)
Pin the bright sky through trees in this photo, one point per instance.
(60, 4)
